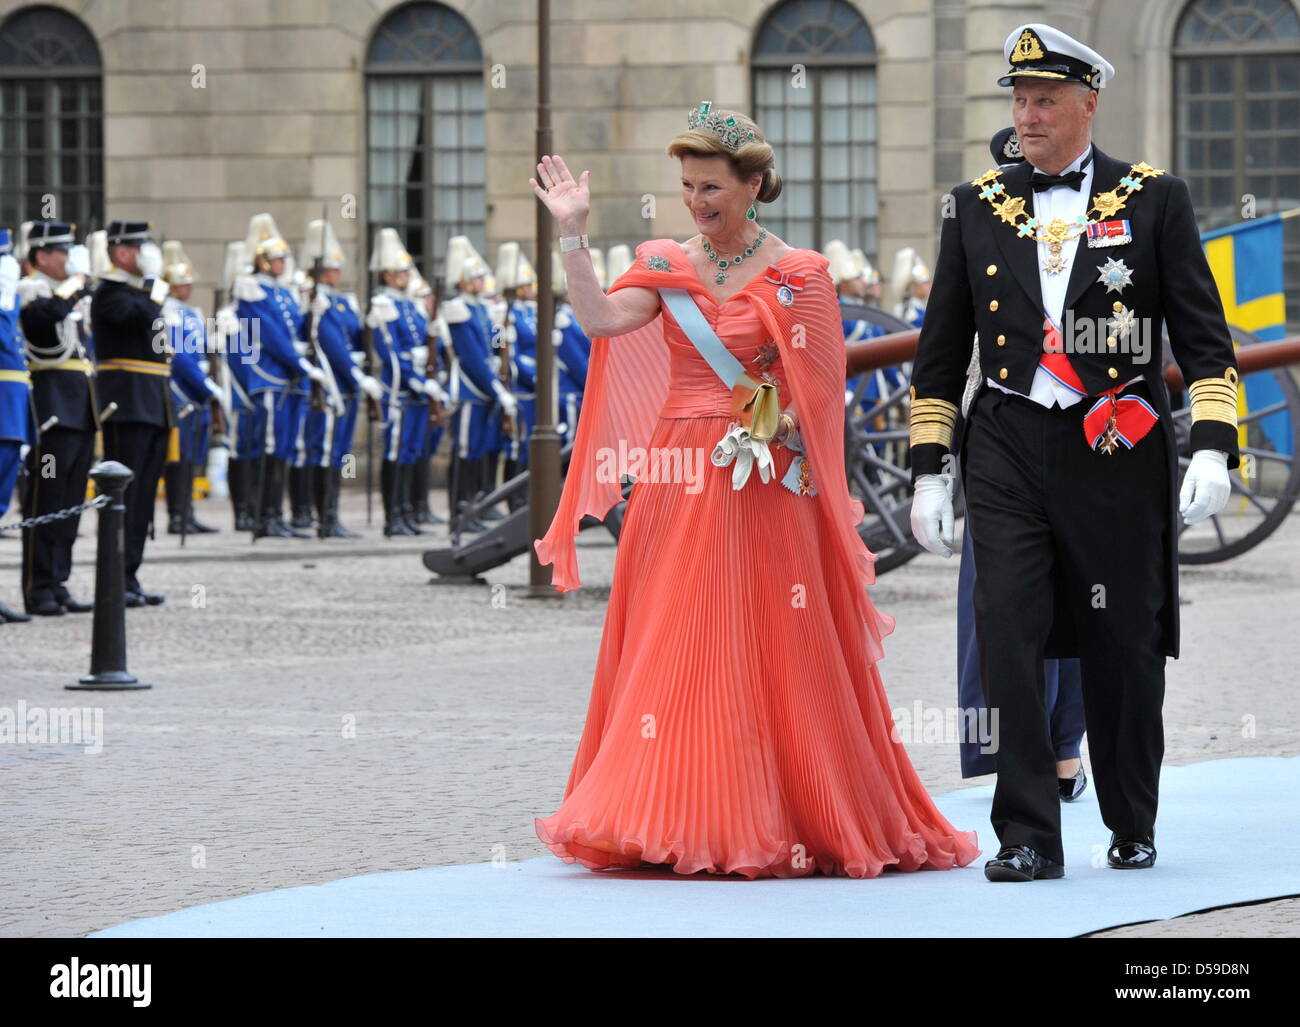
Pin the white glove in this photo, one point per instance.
(419, 358)
(506, 400)
(320, 305)
(748, 452)
(436, 391)
(227, 322)
(932, 516)
(150, 260)
(9, 271)
(220, 397)
(78, 262)
(311, 371)
(370, 386)
(1206, 487)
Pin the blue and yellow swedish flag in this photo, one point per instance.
(1246, 260)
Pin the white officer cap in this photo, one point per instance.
(177, 269)
(330, 252)
(1040, 51)
(389, 254)
(513, 268)
(866, 270)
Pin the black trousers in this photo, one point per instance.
(142, 448)
(56, 479)
(1068, 532)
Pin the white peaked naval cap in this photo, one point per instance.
(97, 244)
(513, 268)
(331, 254)
(840, 260)
(264, 239)
(177, 269)
(1040, 51)
(390, 253)
(618, 259)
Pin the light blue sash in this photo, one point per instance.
(687, 313)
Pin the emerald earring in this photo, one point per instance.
(752, 214)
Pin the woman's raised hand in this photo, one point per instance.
(568, 200)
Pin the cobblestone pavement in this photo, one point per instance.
(321, 710)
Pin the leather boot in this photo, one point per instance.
(174, 480)
(423, 512)
(406, 497)
(388, 484)
(319, 479)
(195, 526)
(333, 486)
(239, 476)
(300, 497)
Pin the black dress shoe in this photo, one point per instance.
(7, 614)
(1131, 853)
(134, 600)
(197, 527)
(152, 598)
(1021, 863)
(1072, 787)
(47, 607)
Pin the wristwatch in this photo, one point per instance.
(573, 242)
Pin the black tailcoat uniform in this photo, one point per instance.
(132, 363)
(58, 462)
(1076, 548)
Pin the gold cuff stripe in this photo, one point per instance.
(16, 376)
(1214, 399)
(135, 366)
(932, 420)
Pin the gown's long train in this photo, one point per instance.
(737, 721)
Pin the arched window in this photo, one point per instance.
(51, 120)
(821, 120)
(424, 118)
(1237, 120)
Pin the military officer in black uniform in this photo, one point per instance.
(1065, 266)
(63, 405)
(131, 355)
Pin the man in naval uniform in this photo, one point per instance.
(518, 283)
(132, 368)
(64, 411)
(1065, 266)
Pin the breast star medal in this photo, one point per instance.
(1122, 323)
(1115, 274)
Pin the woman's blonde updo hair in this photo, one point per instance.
(755, 155)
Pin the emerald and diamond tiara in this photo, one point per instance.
(733, 135)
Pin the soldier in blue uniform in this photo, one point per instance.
(15, 391)
(192, 391)
(399, 331)
(437, 373)
(269, 311)
(572, 353)
(335, 322)
(131, 375)
(480, 396)
(518, 283)
(911, 282)
(235, 349)
(64, 412)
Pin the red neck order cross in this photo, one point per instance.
(1113, 418)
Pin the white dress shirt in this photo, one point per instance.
(1065, 203)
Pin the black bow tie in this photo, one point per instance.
(1040, 181)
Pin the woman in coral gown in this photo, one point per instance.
(737, 721)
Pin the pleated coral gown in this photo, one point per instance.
(737, 722)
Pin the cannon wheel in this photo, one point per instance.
(876, 461)
(1264, 494)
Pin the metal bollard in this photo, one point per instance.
(108, 644)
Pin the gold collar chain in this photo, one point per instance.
(1011, 209)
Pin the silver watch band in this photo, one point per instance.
(573, 242)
